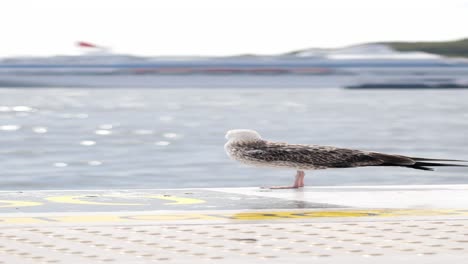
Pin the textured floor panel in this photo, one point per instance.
(339, 225)
(250, 243)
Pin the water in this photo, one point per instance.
(170, 138)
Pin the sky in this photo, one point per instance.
(220, 27)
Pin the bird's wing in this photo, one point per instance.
(322, 156)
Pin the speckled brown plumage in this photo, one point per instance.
(308, 157)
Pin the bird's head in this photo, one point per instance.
(242, 135)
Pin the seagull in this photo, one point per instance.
(248, 147)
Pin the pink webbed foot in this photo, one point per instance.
(298, 183)
(282, 187)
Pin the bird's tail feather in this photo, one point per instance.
(428, 159)
(425, 165)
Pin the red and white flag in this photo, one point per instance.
(86, 44)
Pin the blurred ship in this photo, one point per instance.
(98, 67)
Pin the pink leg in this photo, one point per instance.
(301, 178)
(298, 182)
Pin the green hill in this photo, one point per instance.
(458, 48)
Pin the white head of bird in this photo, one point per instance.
(242, 136)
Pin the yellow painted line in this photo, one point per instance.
(11, 203)
(343, 214)
(243, 216)
(78, 199)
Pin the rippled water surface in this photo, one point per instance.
(163, 138)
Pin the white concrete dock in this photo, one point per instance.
(361, 224)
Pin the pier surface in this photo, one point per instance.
(359, 224)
